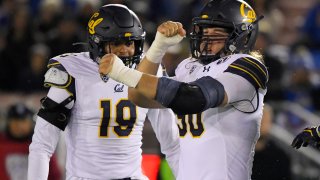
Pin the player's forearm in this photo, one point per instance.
(148, 67)
(44, 142)
(38, 166)
(147, 86)
(140, 100)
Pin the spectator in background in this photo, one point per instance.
(275, 66)
(311, 40)
(272, 16)
(311, 28)
(3, 69)
(304, 66)
(307, 54)
(32, 77)
(164, 9)
(299, 77)
(6, 10)
(46, 21)
(67, 34)
(15, 144)
(194, 7)
(302, 77)
(270, 162)
(19, 39)
(86, 9)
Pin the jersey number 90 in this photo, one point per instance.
(193, 121)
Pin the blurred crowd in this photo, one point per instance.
(32, 31)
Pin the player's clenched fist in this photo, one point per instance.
(168, 34)
(105, 64)
(170, 28)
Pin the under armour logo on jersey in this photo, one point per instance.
(119, 88)
(104, 77)
(192, 69)
(206, 68)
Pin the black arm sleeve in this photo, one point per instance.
(190, 98)
(56, 114)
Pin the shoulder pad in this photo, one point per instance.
(252, 70)
(57, 77)
(55, 61)
(52, 63)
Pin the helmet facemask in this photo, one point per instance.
(201, 43)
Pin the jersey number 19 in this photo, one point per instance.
(125, 124)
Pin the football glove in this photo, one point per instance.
(309, 136)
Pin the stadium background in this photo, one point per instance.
(31, 31)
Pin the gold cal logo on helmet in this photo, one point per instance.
(93, 23)
(248, 14)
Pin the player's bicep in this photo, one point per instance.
(236, 88)
(242, 80)
(142, 101)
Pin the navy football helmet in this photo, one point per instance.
(118, 24)
(236, 16)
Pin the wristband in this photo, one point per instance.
(160, 45)
(124, 74)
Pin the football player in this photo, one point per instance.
(103, 128)
(217, 93)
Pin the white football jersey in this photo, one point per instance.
(218, 144)
(103, 136)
